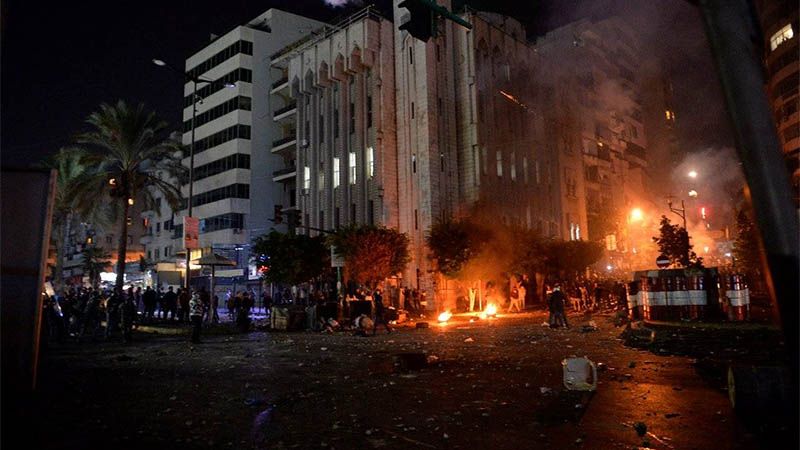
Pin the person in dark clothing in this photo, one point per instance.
(149, 300)
(196, 308)
(184, 298)
(557, 300)
(127, 317)
(245, 303)
(380, 316)
(113, 305)
(170, 301)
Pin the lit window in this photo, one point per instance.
(525, 171)
(306, 177)
(499, 163)
(783, 35)
(352, 167)
(513, 167)
(370, 162)
(335, 173)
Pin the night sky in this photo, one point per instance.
(60, 60)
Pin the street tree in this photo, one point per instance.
(571, 258)
(95, 260)
(673, 242)
(132, 159)
(71, 206)
(454, 243)
(746, 250)
(290, 258)
(371, 253)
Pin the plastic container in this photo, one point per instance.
(577, 373)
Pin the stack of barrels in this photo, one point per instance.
(671, 295)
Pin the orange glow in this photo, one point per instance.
(445, 316)
(636, 215)
(513, 99)
(490, 311)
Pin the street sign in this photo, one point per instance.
(336, 260)
(662, 261)
(191, 232)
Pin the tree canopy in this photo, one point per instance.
(290, 258)
(454, 243)
(673, 242)
(371, 253)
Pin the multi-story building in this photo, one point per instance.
(233, 192)
(338, 147)
(507, 166)
(106, 238)
(779, 22)
(592, 67)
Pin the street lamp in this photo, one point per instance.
(693, 193)
(195, 82)
(692, 173)
(636, 215)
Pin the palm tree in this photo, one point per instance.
(95, 260)
(70, 205)
(132, 160)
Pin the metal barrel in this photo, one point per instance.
(738, 305)
(698, 297)
(633, 297)
(644, 298)
(658, 300)
(680, 298)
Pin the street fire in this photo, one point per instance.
(445, 316)
(490, 311)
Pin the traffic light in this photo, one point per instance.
(278, 214)
(294, 218)
(421, 23)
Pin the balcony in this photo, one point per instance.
(285, 142)
(285, 174)
(284, 112)
(279, 84)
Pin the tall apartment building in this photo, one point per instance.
(234, 130)
(507, 166)
(780, 25)
(595, 79)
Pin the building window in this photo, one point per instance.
(352, 167)
(513, 167)
(336, 217)
(353, 213)
(306, 177)
(149, 255)
(321, 180)
(412, 110)
(322, 220)
(336, 169)
(783, 35)
(525, 169)
(110, 239)
(336, 110)
(416, 220)
(499, 157)
(158, 227)
(414, 163)
(371, 213)
(411, 55)
(369, 111)
(321, 128)
(157, 253)
(370, 162)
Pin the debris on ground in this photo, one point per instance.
(641, 428)
(469, 339)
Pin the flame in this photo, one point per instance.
(490, 311)
(513, 99)
(445, 316)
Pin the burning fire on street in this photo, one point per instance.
(490, 311)
(445, 316)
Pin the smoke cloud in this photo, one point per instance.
(343, 3)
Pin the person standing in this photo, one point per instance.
(514, 300)
(196, 316)
(127, 317)
(113, 305)
(557, 300)
(214, 316)
(171, 302)
(380, 316)
(472, 293)
(149, 299)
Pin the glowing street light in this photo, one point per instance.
(692, 174)
(636, 215)
(693, 193)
